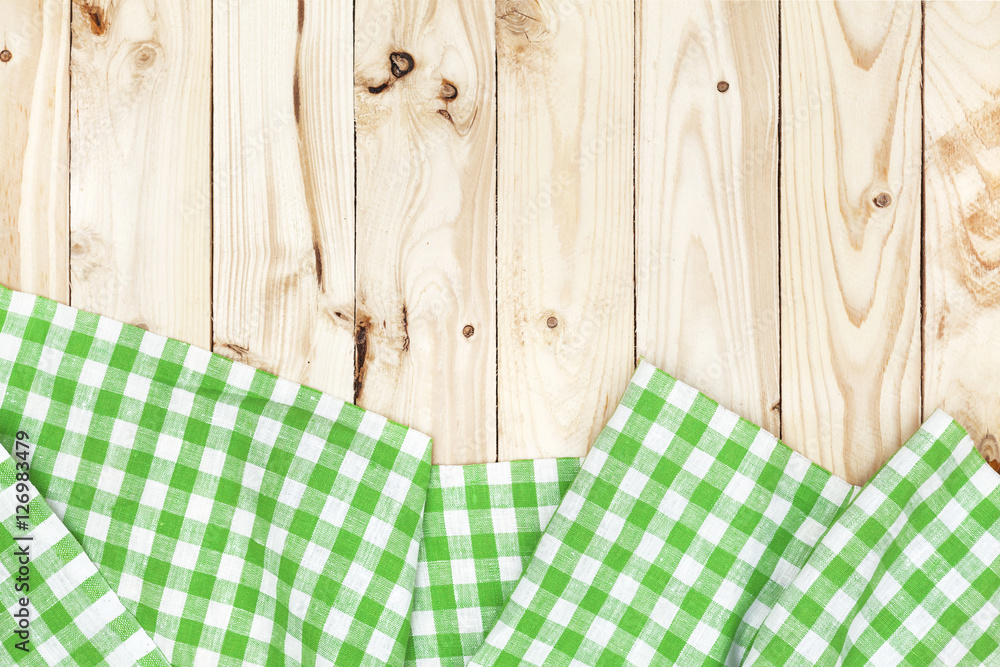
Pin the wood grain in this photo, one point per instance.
(850, 231)
(962, 203)
(34, 123)
(426, 286)
(706, 202)
(565, 99)
(283, 189)
(140, 156)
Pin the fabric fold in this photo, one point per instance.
(60, 610)
(909, 574)
(241, 518)
(692, 537)
(481, 526)
(679, 533)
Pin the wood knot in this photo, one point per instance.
(361, 327)
(400, 64)
(95, 15)
(552, 322)
(448, 91)
(518, 18)
(988, 448)
(5, 56)
(239, 352)
(468, 330)
(882, 200)
(144, 57)
(722, 86)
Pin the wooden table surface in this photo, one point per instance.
(475, 216)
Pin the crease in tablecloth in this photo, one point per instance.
(240, 518)
(481, 526)
(908, 575)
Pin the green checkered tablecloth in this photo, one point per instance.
(481, 526)
(235, 517)
(692, 537)
(163, 505)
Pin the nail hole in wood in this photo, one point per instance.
(468, 330)
(400, 64)
(883, 199)
(552, 323)
(723, 86)
(5, 56)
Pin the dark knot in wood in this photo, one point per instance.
(98, 26)
(400, 63)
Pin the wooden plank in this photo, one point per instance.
(962, 203)
(850, 231)
(426, 285)
(140, 156)
(34, 122)
(565, 264)
(706, 201)
(284, 188)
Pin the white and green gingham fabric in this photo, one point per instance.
(183, 509)
(908, 574)
(70, 605)
(238, 518)
(692, 537)
(481, 526)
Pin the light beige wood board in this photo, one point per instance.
(140, 155)
(706, 202)
(565, 259)
(426, 286)
(850, 231)
(34, 132)
(962, 203)
(283, 189)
